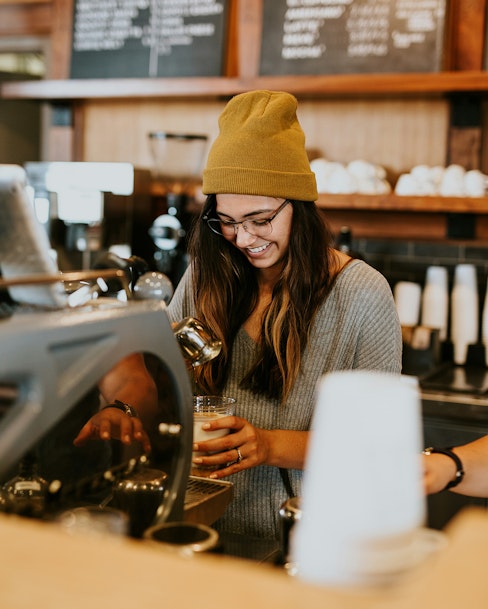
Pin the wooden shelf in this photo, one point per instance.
(356, 85)
(379, 203)
(396, 203)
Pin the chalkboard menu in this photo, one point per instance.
(352, 36)
(148, 38)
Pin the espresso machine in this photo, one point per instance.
(50, 360)
(61, 334)
(177, 168)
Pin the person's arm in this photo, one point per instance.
(248, 446)
(440, 469)
(286, 448)
(130, 383)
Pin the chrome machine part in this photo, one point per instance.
(153, 286)
(51, 359)
(196, 342)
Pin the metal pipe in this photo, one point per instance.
(71, 276)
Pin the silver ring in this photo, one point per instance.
(239, 456)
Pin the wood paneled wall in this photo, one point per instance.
(26, 18)
(395, 133)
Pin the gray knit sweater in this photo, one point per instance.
(356, 327)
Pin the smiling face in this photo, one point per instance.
(262, 252)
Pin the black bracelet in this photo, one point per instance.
(129, 410)
(459, 465)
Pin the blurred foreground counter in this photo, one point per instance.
(43, 567)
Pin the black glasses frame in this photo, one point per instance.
(206, 218)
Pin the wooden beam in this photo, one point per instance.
(249, 37)
(466, 39)
(61, 39)
(26, 18)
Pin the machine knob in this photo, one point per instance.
(153, 286)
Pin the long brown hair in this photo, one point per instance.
(226, 292)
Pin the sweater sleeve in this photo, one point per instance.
(379, 343)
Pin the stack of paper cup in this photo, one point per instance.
(464, 311)
(362, 498)
(435, 300)
(407, 300)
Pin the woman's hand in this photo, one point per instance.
(113, 423)
(247, 446)
(128, 382)
(244, 447)
(439, 470)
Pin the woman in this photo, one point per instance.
(287, 307)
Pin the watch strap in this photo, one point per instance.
(459, 465)
(129, 410)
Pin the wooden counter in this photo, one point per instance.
(42, 567)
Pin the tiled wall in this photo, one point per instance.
(408, 260)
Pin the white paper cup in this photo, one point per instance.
(464, 311)
(435, 300)
(362, 495)
(407, 296)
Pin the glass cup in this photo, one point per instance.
(207, 408)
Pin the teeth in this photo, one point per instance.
(256, 250)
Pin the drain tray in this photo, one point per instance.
(206, 500)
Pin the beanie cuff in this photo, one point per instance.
(259, 182)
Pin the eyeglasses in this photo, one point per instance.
(257, 227)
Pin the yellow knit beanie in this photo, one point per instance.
(260, 149)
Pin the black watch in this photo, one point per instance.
(129, 410)
(459, 465)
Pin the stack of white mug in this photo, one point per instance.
(430, 307)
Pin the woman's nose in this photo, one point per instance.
(243, 238)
